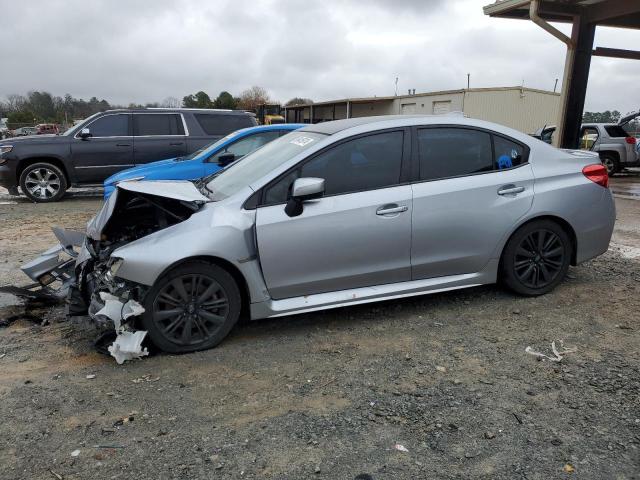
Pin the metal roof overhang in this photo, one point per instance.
(584, 16)
(606, 13)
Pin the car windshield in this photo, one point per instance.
(208, 149)
(257, 164)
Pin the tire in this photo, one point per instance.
(532, 265)
(43, 182)
(612, 164)
(175, 317)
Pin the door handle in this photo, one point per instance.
(175, 144)
(123, 144)
(390, 209)
(510, 190)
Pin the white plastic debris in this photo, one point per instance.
(127, 345)
(118, 311)
(91, 376)
(75, 453)
(401, 448)
(558, 355)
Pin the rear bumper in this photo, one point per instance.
(594, 240)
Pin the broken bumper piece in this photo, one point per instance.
(128, 342)
(52, 272)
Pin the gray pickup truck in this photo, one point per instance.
(45, 166)
(617, 149)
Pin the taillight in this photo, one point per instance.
(597, 173)
(631, 140)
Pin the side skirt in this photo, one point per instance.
(356, 296)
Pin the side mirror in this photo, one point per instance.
(85, 133)
(226, 158)
(303, 189)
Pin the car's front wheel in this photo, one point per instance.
(536, 258)
(43, 182)
(192, 307)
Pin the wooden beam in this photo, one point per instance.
(611, 9)
(617, 53)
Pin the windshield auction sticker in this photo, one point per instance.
(302, 141)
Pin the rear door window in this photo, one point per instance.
(616, 131)
(453, 152)
(220, 124)
(157, 124)
(110, 126)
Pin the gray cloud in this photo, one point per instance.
(144, 51)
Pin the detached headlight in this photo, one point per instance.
(116, 263)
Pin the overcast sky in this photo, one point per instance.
(143, 51)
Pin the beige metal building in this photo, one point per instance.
(525, 109)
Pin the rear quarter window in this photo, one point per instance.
(507, 154)
(223, 124)
(615, 131)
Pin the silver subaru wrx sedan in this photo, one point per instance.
(341, 213)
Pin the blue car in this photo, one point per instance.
(205, 161)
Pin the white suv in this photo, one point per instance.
(617, 149)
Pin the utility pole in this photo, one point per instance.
(468, 81)
(555, 86)
(396, 86)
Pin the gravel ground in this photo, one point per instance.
(332, 395)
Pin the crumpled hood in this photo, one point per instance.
(140, 171)
(184, 191)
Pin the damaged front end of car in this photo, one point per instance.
(52, 272)
(89, 277)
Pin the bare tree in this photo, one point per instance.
(251, 98)
(15, 102)
(170, 102)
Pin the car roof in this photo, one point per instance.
(277, 126)
(211, 111)
(329, 128)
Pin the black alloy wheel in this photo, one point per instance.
(539, 259)
(193, 307)
(536, 258)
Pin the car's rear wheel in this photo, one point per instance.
(43, 182)
(536, 258)
(612, 164)
(192, 307)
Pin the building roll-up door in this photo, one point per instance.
(442, 107)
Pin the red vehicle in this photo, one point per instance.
(47, 129)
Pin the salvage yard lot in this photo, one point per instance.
(331, 394)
